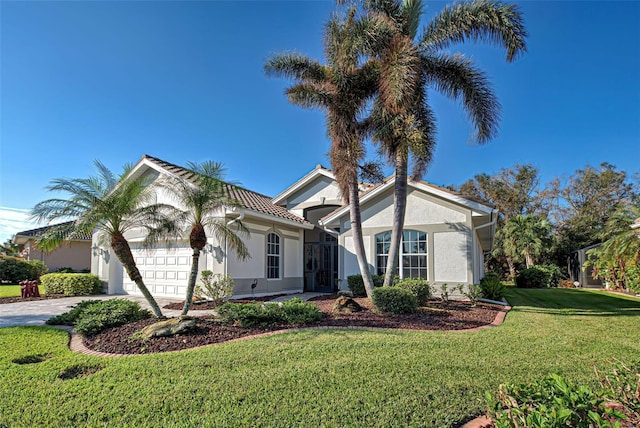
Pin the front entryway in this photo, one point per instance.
(321, 267)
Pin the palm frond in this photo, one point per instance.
(456, 77)
(311, 95)
(296, 66)
(479, 20)
(411, 13)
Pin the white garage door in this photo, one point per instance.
(165, 271)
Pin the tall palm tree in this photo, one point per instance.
(525, 238)
(111, 204)
(341, 88)
(410, 63)
(203, 202)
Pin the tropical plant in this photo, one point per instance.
(340, 88)
(203, 201)
(215, 286)
(8, 248)
(401, 122)
(524, 238)
(111, 204)
(617, 260)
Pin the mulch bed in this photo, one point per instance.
(210, 305)
(18, 299)
(438, 315)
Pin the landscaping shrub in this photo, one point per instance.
(13, 270)
(356, 284)
(216, 287)
(395, 300)
(71, 284)
(93, 316)
(418, 287)
(491, 286)
(472, 292)
(64, 270)
(551, 402)
(541, 276)
(291, 312)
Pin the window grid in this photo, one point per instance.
(412, 255)
(273, 256)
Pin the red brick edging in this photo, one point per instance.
(76, 344)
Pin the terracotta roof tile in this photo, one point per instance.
(247, 198)
(36, 233)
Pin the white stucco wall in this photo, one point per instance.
(254, 267)
(350, 261)
(292, 258)
(450, 257)
(312, 193)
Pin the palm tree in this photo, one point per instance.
(402, 122)
(111, 204)
(341, 88)
(525, 238)
(202, 198)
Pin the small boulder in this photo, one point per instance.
(170, 327)
(345, 293)
(346, 304)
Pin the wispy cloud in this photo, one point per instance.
(14, 220)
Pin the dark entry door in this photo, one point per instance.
(320, 266)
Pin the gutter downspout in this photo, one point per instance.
(492, 222)
(226, 244)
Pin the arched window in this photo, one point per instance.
(412, 257)
(273, 256)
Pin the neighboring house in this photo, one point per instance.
(301, 239)
(74, 254)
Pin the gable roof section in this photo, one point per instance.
(481, 208)
(246, 198)
(36, 233)
(319, 170)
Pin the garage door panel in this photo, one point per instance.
(165, 271)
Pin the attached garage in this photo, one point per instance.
(165, 270)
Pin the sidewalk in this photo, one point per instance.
(38, 311)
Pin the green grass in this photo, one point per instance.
(319, 378)
(14, 290)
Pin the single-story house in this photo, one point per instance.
(74, 254)
(301, 239)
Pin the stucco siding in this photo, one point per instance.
(450, 257)
(292, 258)
(312, 194)
(253, 267)
(350, 261)
(75, 255)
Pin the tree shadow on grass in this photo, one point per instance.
(570, 301)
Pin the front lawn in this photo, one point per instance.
(14, 290)
(318, 378)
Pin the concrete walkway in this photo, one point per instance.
(36, 312)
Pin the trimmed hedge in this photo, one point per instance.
(93, 316)
(491, 286)
(291, 312)
(394, 300)
(356, 284)
(13, 270)
(542, 276)
(71, 284)
(418, 287)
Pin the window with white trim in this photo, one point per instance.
(273, 256)
(412, 257)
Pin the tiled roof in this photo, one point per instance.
(247, 198)
(36, 233)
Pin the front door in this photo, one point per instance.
(320, 266)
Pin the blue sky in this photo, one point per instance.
(183, 81)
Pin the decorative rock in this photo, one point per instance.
(346, 304)
(170, 327)
(345, 293)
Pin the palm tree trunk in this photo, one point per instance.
(399, 210)
(195, 259)
(122, 250)
(512, 267)
(358, 242)
(528, 257)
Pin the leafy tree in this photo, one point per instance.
(515, 192)
(588, 201)
(204, 199)
(8, 248)
(402, 122)
(524, 238)
(340, 88)
(114, 205)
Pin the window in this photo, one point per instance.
(412, 256)
(273, 256)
